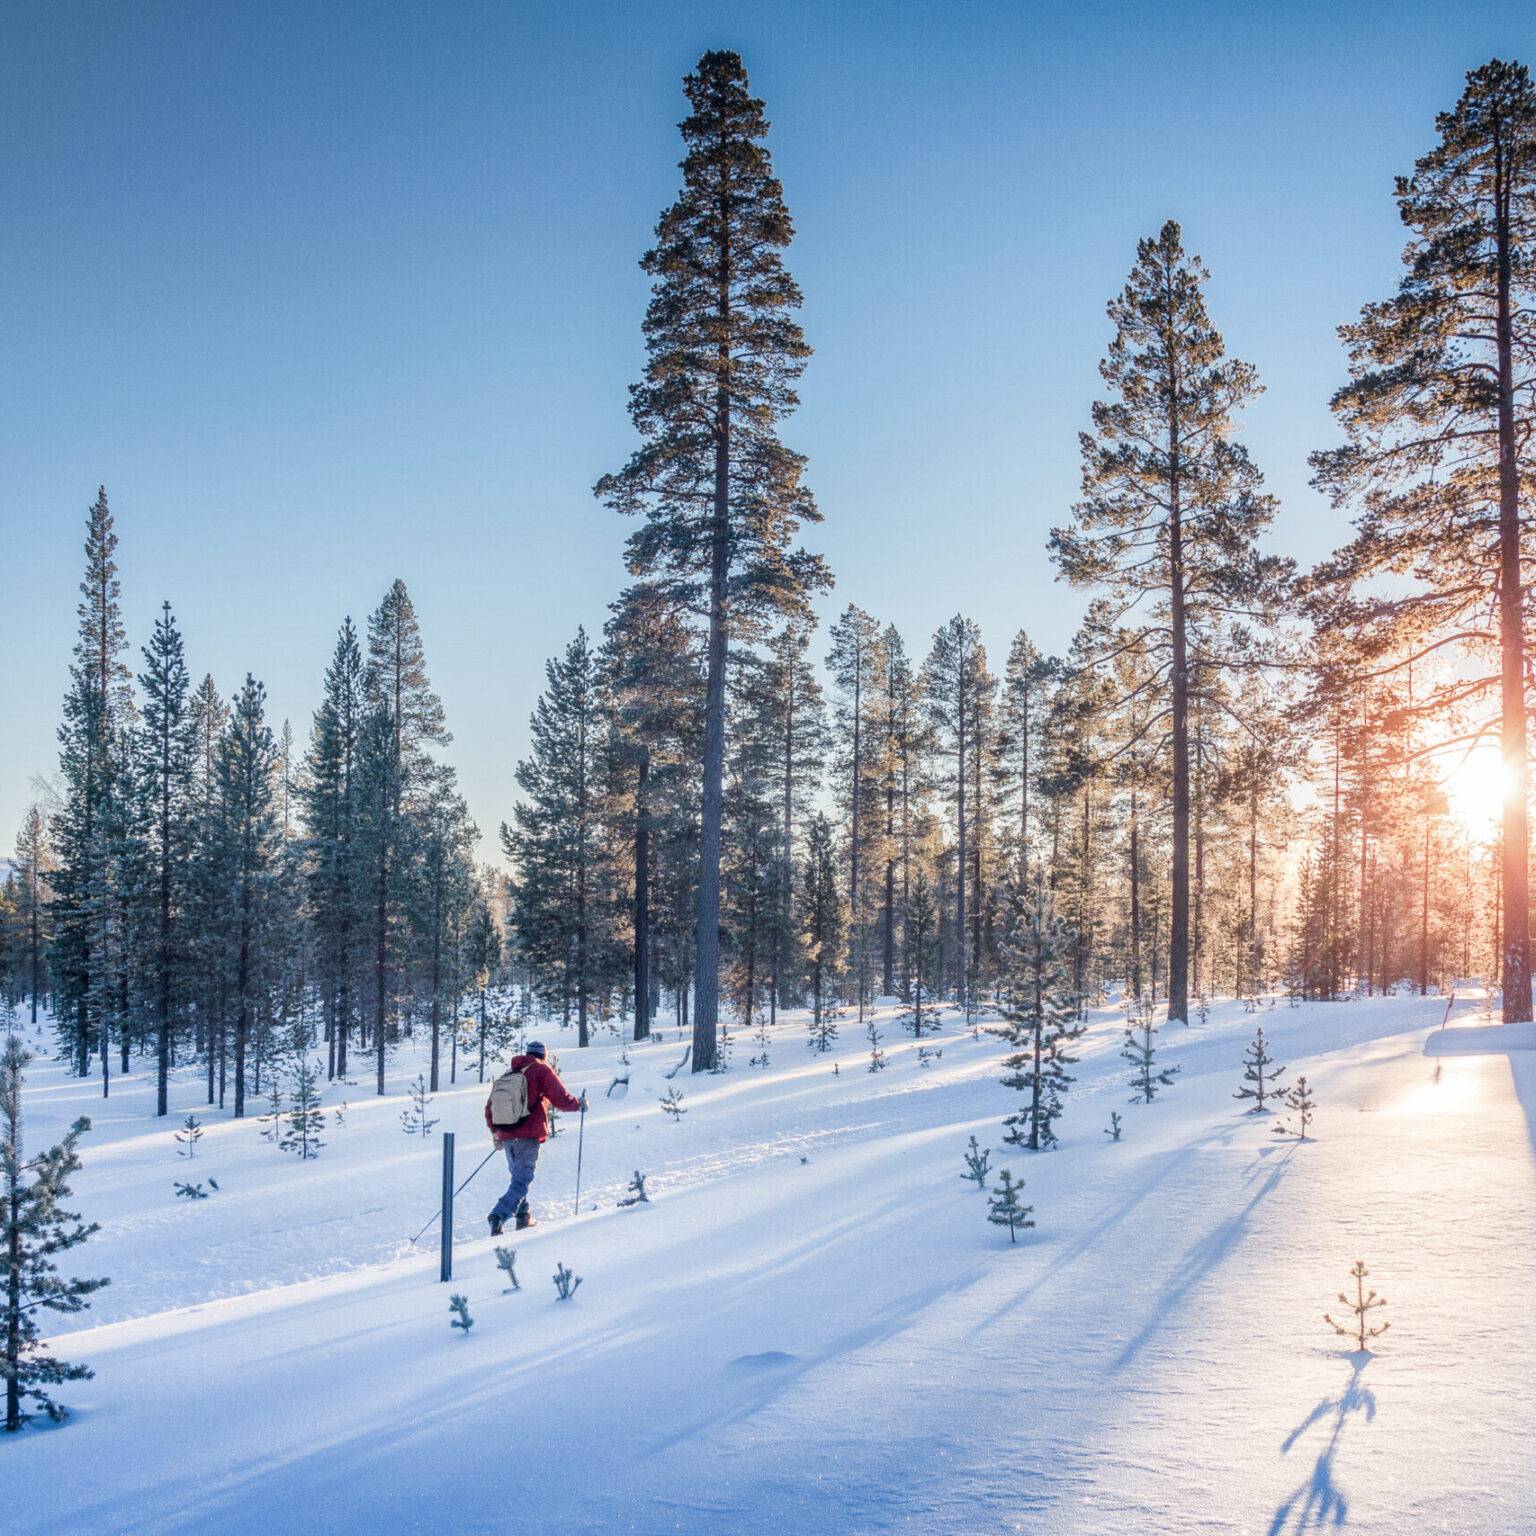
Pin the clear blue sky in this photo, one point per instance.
(331, 293)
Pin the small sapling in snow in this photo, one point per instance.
(459, 1306)
(976, 1159)
(1112, 1130)
(1140, 1050)
(876, 1055)
(341, 1115)
(673, 1105)
(414, 1121)
(1005, 1209)
(1039, 1009)
(1300, 1103)
(637, 1194)
(1362, 1305)
(305, 1119)
(1261, 1078)
(271, 1123)
(926, 1057)
(192, 1191)
(506, 1262)
(565, 1282)
(823, 1030)
(189, 1135)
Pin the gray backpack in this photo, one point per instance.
(509, 1100)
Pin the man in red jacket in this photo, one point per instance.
(522, 1141)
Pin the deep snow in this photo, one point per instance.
(813, 1326)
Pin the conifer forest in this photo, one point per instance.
(998, 1041)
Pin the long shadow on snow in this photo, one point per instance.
(1165, 1165)
(1319, 1501)
(380, 1442)
(1199, 1259)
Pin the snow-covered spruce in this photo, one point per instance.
(637, 1194)
(673, 1104)
(459, 1306)
(565, 1282)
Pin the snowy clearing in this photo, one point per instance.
(812, 1326)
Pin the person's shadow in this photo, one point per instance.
(1320, 1502)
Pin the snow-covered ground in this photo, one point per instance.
(813, 1328)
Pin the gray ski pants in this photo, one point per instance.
(522, 1159)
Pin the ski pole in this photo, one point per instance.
(581, 1129)
(460, 1190)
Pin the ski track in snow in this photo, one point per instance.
(813, 1326)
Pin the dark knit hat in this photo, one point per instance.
(536, 1048)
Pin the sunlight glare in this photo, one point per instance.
(1475, 789)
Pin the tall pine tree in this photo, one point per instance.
(1170, 514)
(1439, 412)
(721, 495)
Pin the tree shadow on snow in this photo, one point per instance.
(1522, 1068)
(1201, 1258)
(1320, 1502)
(1163, 1166)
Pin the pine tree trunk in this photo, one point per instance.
(1424, 918)
(36, 939)
(1251, 965)
(962, 989)
(1515, 881)
(1135, 898)
(242, 988)
(381, 967)
(163, 1033)
(13, 1294)
(642, 899)
(706, 1002)
(1178, 936)
(979, 824)
(888, 956)
(583, 979)
(854, 914)
(437, 969)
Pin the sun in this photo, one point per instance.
(1475, 788)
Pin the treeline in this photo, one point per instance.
(1232, 779)
(207, 889)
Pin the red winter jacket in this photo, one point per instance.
(544, 1089)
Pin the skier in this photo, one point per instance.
(522, 1140)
